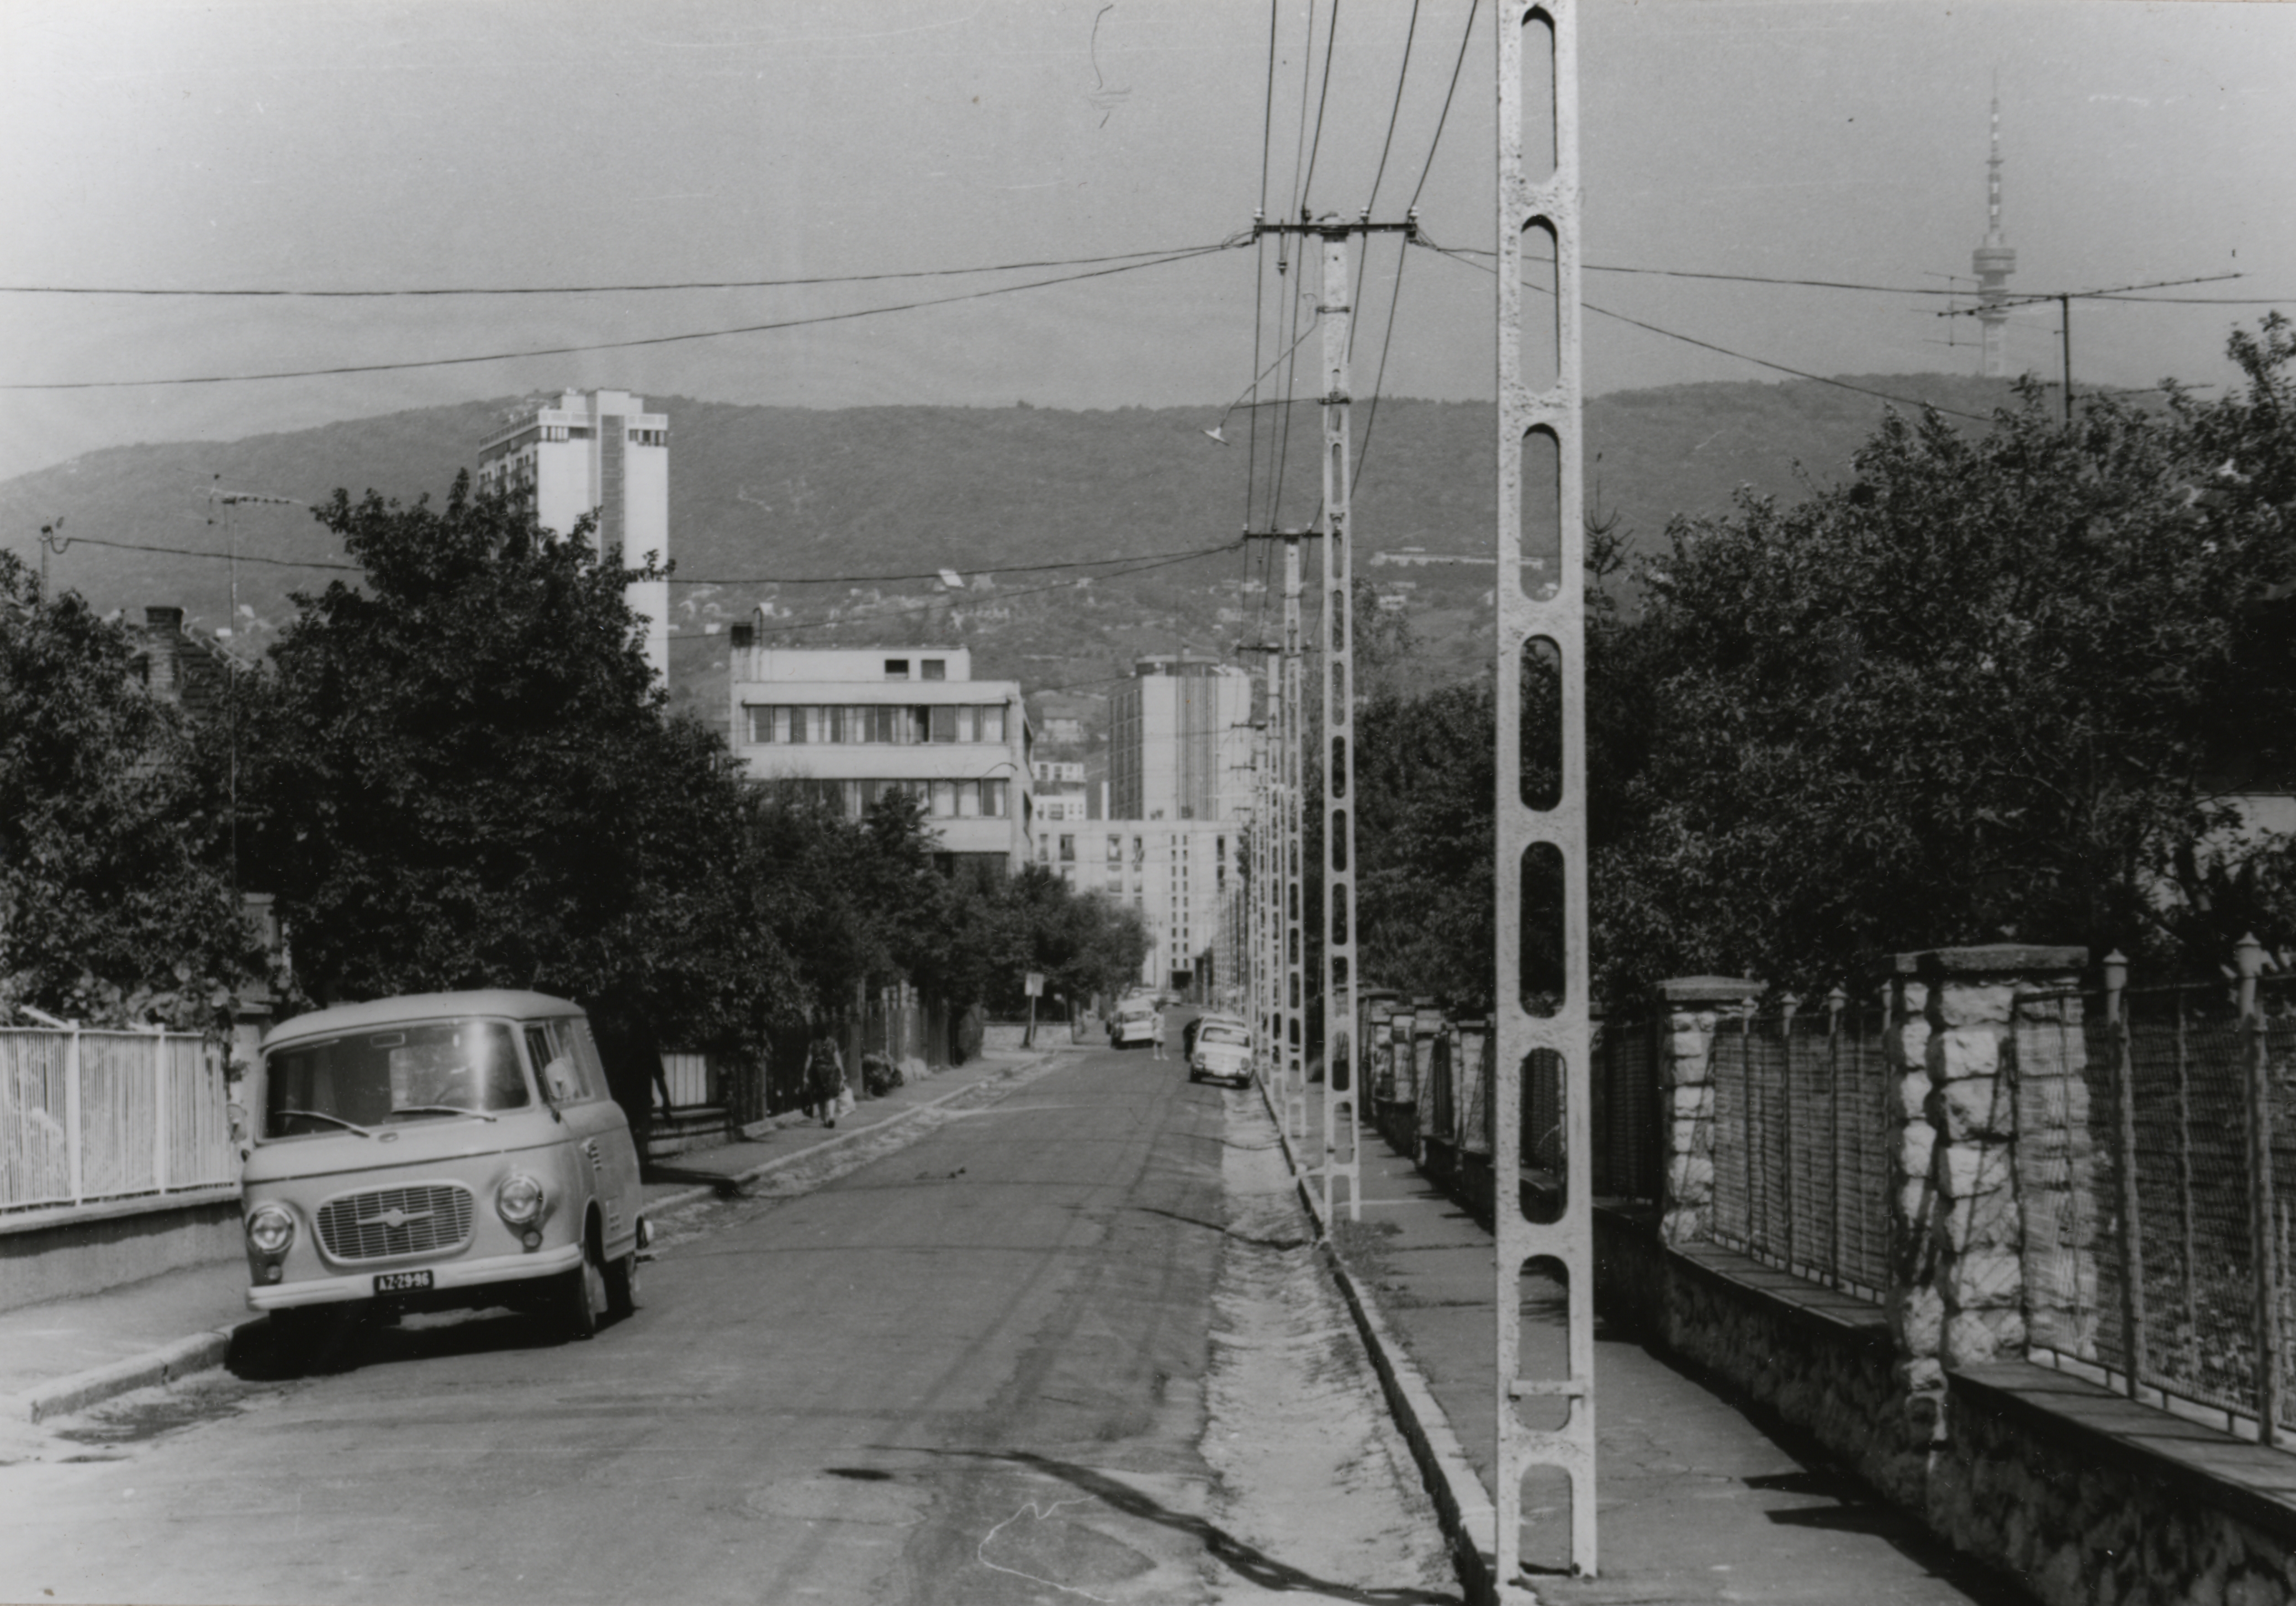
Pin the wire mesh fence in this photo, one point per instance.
(1801, 1173)
(2157, 1172)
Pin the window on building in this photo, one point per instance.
(935, 668)
(800, 720)
(896, 668)
(965, 722)
(992, 722)
(1139, 852)
(1115, 853)
(1068, 848)
(996, 798)
(944, 723)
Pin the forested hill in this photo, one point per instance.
(763, 496)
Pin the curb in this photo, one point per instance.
(706, 1191)
(203, 1351)
(166, 1364)
(1461, 1505)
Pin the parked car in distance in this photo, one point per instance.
(436, 1150)
(1135, 1022)
(1221, 1051)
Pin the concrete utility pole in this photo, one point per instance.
(1342, 1151)
(1541, 838)
(1295, 1082)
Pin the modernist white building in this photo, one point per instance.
(603, 452)
(1060, 795)
(852, 724)
(1179, 741)
(1177, 874)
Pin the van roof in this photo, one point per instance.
(419, 1006)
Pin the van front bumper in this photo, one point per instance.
(449, 1275)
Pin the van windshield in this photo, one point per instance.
(425, 1071)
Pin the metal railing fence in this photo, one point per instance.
(1801, 1163)
(2158, 1175)
(88, 1116)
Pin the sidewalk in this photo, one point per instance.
(1695, 1502)
(68, 1353)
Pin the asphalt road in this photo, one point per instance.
(971, 1370)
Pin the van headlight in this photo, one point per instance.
(270, 1228)
(519, 1199)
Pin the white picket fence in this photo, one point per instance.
(88, 1116)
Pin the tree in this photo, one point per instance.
(461, 775)
(116, 903)
(1973, 693)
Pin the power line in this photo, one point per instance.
(665, 340)
(580, 290)
(934, 574)
(1743, 356)
(1371, 422)
(1435, 143)
(223, 557)
(1395, 112)
(1331, 49)
(1142, 568)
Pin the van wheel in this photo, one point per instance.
(623, 1296)
(580, 1292)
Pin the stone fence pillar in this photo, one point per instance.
(1957, 1293)
(1687, 1009)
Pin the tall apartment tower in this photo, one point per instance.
(1993, 262)
(603, 452)
(1179, 742)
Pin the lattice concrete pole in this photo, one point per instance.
(1271, 848)
(1342, 1152)
(1295, 979)
(1549, 622)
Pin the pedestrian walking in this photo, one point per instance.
(825, 1075)
(1156, 1031)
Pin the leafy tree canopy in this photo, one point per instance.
(116, 903)
(462, 776)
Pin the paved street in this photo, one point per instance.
(973, 1368)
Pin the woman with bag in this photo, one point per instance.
(825, 1075)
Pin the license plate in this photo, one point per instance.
(398, 1282)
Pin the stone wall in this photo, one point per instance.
(1995, 1211)
(2079, 1514)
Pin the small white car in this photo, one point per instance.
(441, 1150)
(1221, 1052)
(1134, 1022)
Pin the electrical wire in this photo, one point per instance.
(1323, 95)
(223, 557)
(934, 574)
(1743, 356)
(584, 289)
(1142, 568)
(1435, 143)
(664, 340)
(1395, 112)
(1370, 420)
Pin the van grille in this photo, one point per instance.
(396, 1221)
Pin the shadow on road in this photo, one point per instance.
(359, 1338)
(1248, 1561)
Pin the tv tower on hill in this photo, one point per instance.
(1993, 262)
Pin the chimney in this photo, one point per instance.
(163, 637)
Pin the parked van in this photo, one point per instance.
(439, 1150)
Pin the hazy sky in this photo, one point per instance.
(358, 145)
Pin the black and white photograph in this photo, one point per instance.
(1159, 802)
